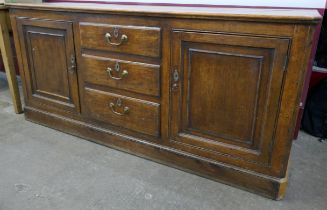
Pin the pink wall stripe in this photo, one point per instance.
(318, 4)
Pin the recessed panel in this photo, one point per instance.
(223, 94)
(49, 65)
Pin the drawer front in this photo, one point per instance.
(122, 111)
(136, 77)
(136, 40)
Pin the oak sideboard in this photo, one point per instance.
(212, 91)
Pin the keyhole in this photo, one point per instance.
(119, 103)
(117, 67)
(72, 59)
(116, 32)
(176, 76)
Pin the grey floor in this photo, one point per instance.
(41, 168)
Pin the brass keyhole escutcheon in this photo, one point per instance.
(72, 67)
(175, 79)
(116, 32)
(117, 67)
(176, 76)
(118, 102)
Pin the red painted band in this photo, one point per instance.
(169, 4)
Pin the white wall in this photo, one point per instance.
(269, 3)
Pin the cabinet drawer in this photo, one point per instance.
(126, 75)
(136, 40)
(134, 114)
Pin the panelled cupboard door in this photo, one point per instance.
(225, 94)
(50, 67)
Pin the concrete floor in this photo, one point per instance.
(44, 169)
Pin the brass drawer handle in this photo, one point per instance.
(123, 74)
(123, 39)
(118, 104)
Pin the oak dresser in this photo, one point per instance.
(212, 91)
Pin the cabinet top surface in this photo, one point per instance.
(269, 15)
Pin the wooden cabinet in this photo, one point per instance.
(210, 91)
(50, 66)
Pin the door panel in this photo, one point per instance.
(214, 104)
(47, 82)
(225, 95)
(50, 68)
